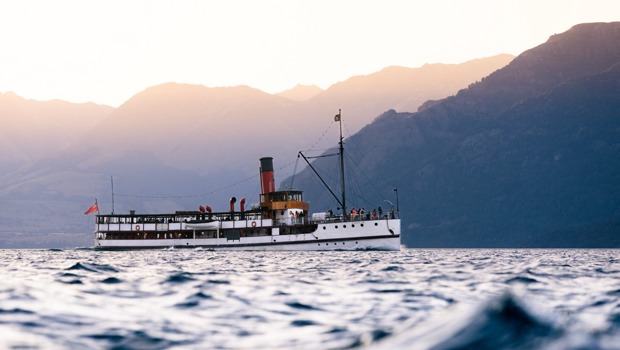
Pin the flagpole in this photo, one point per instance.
(112, 181)
(97, 204)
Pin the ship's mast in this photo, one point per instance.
(338, 118)
(112, 183)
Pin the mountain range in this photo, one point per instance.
(496, 152)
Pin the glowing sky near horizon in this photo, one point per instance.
(106, 51)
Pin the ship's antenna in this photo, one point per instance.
(338, 118)
(112, 182)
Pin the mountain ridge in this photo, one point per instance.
(301, 92)
(462, 154)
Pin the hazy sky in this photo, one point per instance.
(106, 51)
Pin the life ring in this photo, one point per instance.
(137, 227)
(253, 223)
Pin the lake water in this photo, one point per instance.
(412, 299)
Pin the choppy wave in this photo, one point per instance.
(501, 323)
(413, 299)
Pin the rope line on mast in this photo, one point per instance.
(365, 164)
(323, 156)
(294, 172)
(321, 137)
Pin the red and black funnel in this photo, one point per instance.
(266, 175)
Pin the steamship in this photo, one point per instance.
(281, 221)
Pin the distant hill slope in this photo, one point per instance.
(400, 88)
(301, 92)
(32, 130)
(528, 157)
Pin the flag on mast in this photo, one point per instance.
(93, 208)
(337, 117)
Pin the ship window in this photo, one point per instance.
(376, 224)
(344, 226)
(324, 228)
(362, 225)
(336, 226)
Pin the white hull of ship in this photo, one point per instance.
(363, 235)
